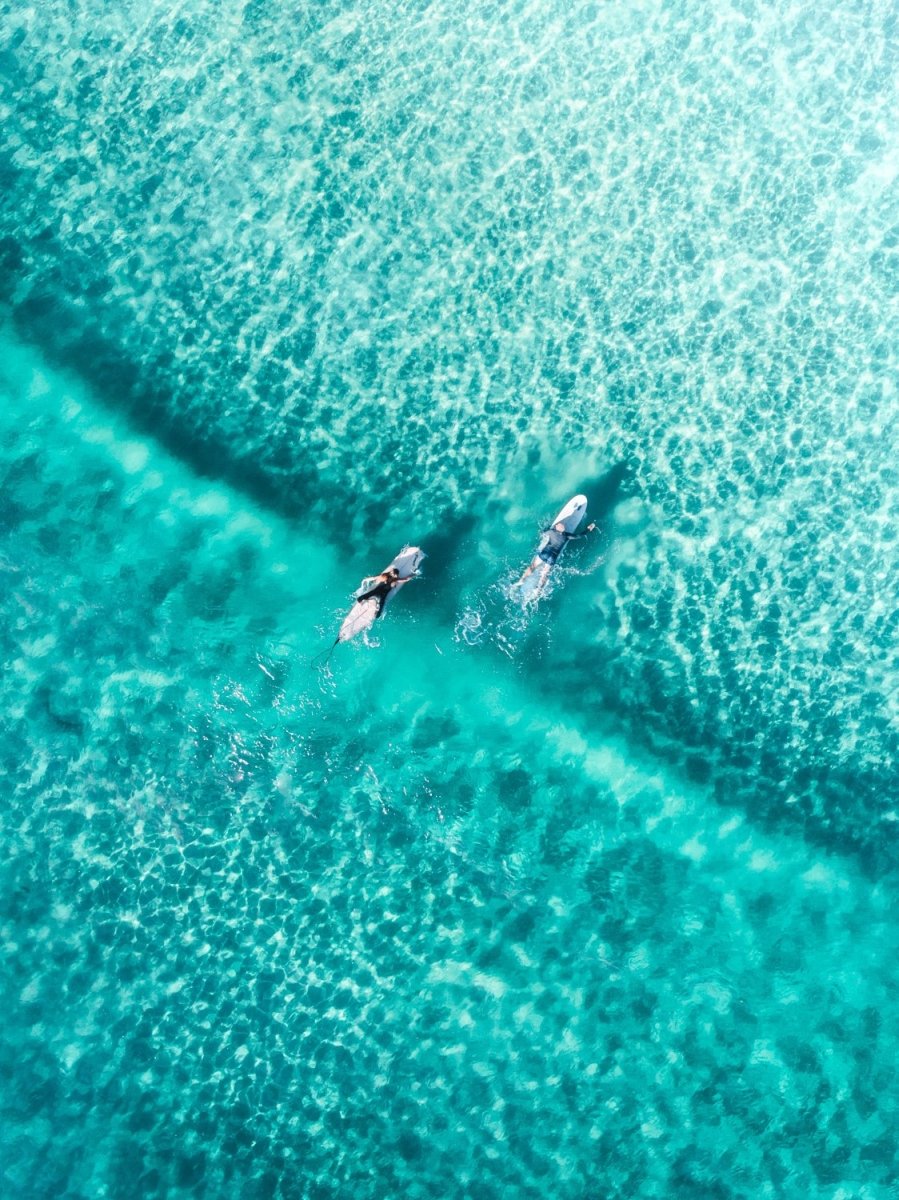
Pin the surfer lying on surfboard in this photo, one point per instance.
(374, 594)
(554, 542)
(379, 587)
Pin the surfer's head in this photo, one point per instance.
(392, 574)
(559, 527)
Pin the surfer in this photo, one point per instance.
(556, 539)
(379, 587)
(373, 595)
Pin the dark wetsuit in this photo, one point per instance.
(553, 545)
(380, 592)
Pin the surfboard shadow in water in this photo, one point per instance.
(604, 491)
(447, 545)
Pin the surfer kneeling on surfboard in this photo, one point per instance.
(556, 539)
(379, 587)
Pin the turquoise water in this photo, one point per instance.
(596, 902)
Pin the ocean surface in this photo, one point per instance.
(596, 900)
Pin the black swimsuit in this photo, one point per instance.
(379, 592)
(553, 546)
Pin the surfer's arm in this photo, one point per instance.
(577, 536)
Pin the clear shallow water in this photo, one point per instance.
(451, 261)
(415, 928)
(594, 903)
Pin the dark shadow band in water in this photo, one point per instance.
(832, 804)
(836, 806)
(139, 392)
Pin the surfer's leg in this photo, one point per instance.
(535, 563)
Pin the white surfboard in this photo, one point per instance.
(360, 617)
(363, 613)
(570, 516)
